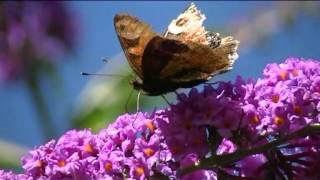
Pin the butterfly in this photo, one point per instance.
(186, 55)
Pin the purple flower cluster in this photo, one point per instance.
(247, 114)
(288, 97)
(33, 33)
(8, 175)
(211, 123)
(131, 147)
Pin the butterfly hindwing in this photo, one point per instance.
(158, 53)
(176, 62)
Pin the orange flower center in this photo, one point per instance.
(88, 148)
(297, 110)
(255, 119)
(197, 141)
(207, 114)
(39, 163)
(187, 126)
(149, 152)
(139, 171)
(175, 149)
(278, 121)
(108, 166)
(283, 75)
(150, 125)
(275, 98)
(295, 72)
(61, 163)
(227, 124)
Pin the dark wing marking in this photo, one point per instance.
(158, 54)
(176, 62)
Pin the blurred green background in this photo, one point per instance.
(60, 98)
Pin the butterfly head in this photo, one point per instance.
(137, 84)
(152, 88)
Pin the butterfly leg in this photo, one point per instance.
(165, 99)
(212, 83)
(138, 101)
(137, 112)
(179, 97)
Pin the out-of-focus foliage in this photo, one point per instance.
(105, 98)
(10, 155)
(255, 27)
(33, 37)
(104, 101)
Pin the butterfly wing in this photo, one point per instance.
(202, 54)
(133, 35)
(188, 26)
(186, 64)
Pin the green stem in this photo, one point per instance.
(41, 107)
(225, 159)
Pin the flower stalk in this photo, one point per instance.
(225, 159)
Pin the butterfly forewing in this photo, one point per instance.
(133, 35)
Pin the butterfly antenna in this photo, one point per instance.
(98, 74)
(128, 100)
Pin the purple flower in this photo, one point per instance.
(138, 168)
(199, 174)
(82, 142)
(285, 95)
(148, 150)
(35, 162)
(111, 163)
(226, 146)
(229, 119)
(253, 166)
(8, 175)
(61, 165)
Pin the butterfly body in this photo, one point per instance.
(185, 56)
